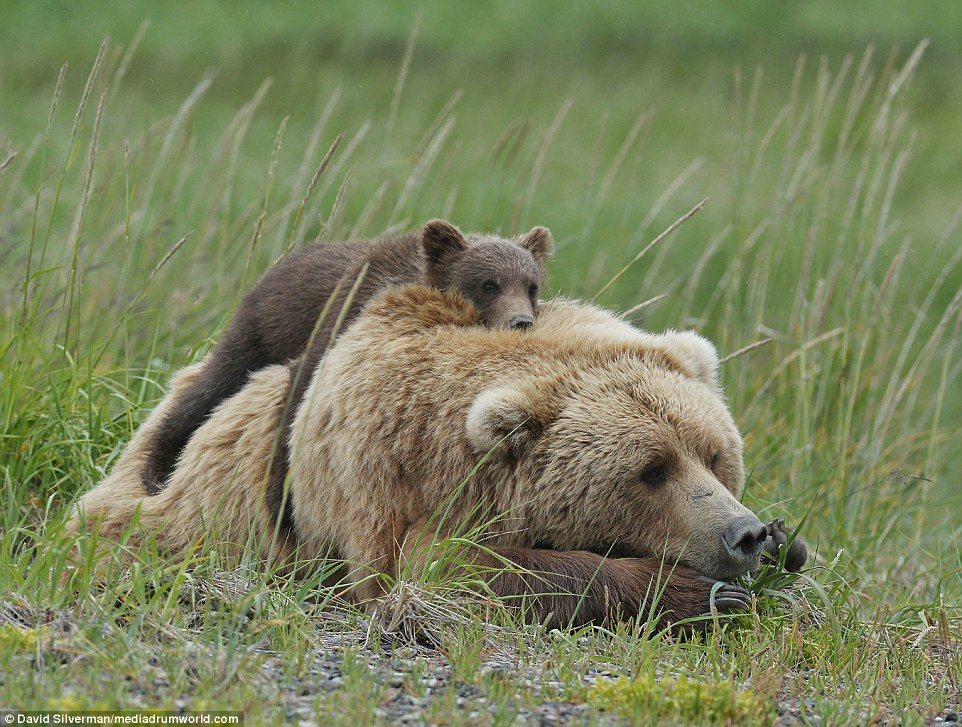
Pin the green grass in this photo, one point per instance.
(137, 203)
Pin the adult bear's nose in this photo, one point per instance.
(744, 539)
(521, 321)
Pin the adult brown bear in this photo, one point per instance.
(599, 438)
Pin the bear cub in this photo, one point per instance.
(276, 319)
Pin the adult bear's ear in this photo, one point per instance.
(694, 355)
(439, 239)
(505, 420)
(538, 242)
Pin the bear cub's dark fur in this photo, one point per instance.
(275, 320)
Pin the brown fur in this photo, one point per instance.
(275, 321)
(576, 588)
(614, 440)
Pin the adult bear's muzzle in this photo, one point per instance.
(743, 540)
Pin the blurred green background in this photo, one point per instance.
(511, 60)
(713, 76)
(833, 180)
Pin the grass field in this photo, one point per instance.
(144, 183)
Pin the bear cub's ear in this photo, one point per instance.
(538, 242)
(440, 238)
(504, 419)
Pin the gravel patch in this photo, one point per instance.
(394, 663)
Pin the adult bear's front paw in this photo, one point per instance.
(729, 599)
(691, 595)
(779, 538)
(714, 604)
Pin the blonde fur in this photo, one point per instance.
(218, 483)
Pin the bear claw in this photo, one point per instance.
(778, 538)
(730, 597)
(728, 601)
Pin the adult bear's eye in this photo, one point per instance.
(489, 286)
(654, 475)
(533, 291)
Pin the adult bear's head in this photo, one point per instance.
(632, 451)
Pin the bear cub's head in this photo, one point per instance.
(501, 277)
